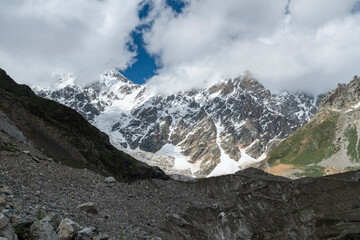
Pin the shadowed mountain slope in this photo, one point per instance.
(64, 135)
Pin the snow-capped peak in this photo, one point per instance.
(113, 77)
(64, 80)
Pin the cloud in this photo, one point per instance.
(311, 49)
(85, 37)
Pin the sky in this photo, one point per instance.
(173, 45)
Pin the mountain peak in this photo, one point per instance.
(113, 77)
(343, 95)
(64, 80)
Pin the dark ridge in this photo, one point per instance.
(66, 136)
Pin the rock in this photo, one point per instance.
(2, 202)
(22, 226)
(109, 180)
(43, 231)
(53, 219)
(87, 208)
(6, 230)
(101, 236)
(67, 229)
(40, 213)
(6, 190)
(11, 205)
(88, 233)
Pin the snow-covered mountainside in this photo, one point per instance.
(208, 132)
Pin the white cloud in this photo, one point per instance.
(312, 49)
(85, 37)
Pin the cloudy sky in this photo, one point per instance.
(300, 45)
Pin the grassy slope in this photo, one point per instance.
(353, 149)
(66, 135)
(308, 145)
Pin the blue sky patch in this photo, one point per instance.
(145, 67)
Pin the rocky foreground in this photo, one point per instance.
(40, 199)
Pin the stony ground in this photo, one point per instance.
(136, 209)
(248, 205)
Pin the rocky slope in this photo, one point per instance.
(247, 205)
(329, 143)
(208, 132)
(59, 132)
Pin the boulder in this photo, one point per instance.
(88, 207)
(53, 219)
(43, 231)
(68, 229)
(102, 236)
(88, 233)
(6, 230)
(109, 180)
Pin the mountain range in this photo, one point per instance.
(55, 185)
(205, 132)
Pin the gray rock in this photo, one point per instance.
(43, 231)
(67, 229)
(88, 233)
(53, 219)
(2, 202)
(109, 180)
(102, 236)
(6, 230)
(87, 208)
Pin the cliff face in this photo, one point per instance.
(329, 143)
(64, 135)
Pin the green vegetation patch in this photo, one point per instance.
(309, 144)
(314, 171)
(353, 149)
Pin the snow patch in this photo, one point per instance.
(229, 166)
(181, 161)
(352, 108)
